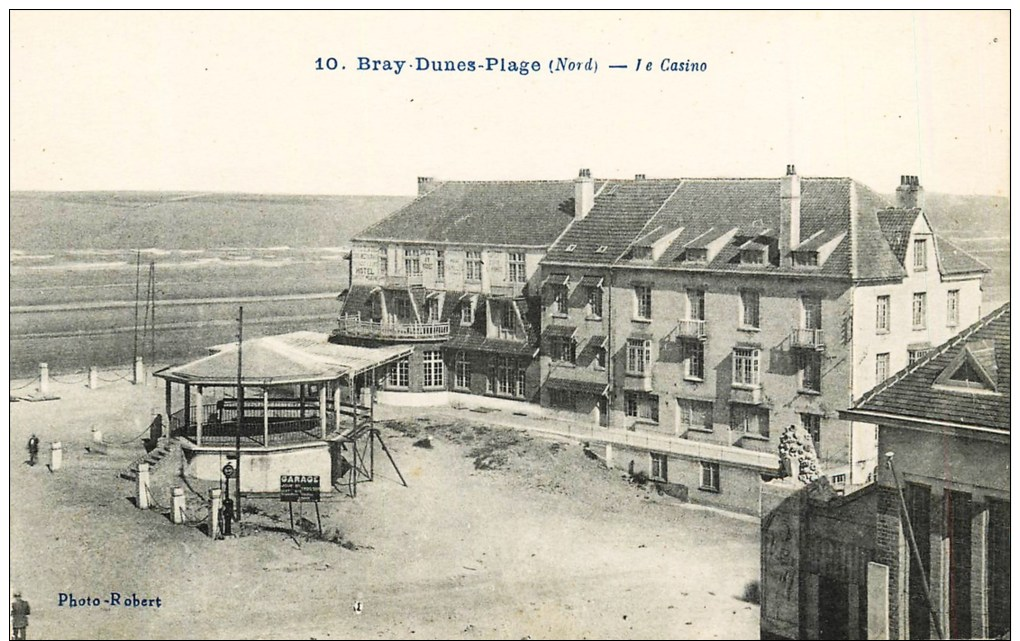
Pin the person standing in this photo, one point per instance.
(33, 449)
(19, 616)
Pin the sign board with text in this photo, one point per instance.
(299, 488)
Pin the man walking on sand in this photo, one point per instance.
(33, 450)
(19, 616)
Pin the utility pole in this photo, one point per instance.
(138, 279)
(240, 406)
(913, 546)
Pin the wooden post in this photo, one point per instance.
(187, 410)
(142, 494)
(301, 400)
(265, 417)
(199, 411)
(336, 405)
(322, 409)
(169, 398)
(371, 429)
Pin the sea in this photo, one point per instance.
(80, 268)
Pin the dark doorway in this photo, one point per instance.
(833, 609)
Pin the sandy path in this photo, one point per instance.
(551, 546)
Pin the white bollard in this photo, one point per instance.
(177, 505)
(44, 378)
(97, 436)
(56, 456)
(142, 495)
(139, 371)
(609, 455)
(214, 513)
(93, 377)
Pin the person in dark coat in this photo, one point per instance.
(33, 449)
(19, 616)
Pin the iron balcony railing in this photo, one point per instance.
(690, 328)
(808, 338)
(353, 325)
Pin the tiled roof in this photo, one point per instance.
(953, 260)
(630, 212)
(913, 393)
(523, 213)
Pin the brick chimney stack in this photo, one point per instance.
(584, 194)
(789, 213)
(910, 193)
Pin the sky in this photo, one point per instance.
(232, 101)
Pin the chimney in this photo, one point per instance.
(910, 194)
(584, 194)
(789, 213)
(425, 184)
(639, 176)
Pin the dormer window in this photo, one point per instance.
(920, 254)
(974, 369)
(570, 248)
(752, 256)
(805, 259)
(641, 253)
(601, 249)
(696, 255)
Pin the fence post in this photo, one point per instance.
(177, 505)
(93, 377)
(142, 495)
(139, 371)
(214, 512)
(44, 378)
(56, 456)
(97, 435)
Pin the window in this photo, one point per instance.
(696, 304)
(562, 349)
(920, 310)
(639, 356)
(506, 377)
(440, 265)
(467, 313)
(600, 357)
(507, 321)
(694, 415)
(812, 424)
(952, 307)
(432, 309)
(749, 419)
(434, 368)
(920, 254)
(709, 476)
(383, 262)
(643, 302)
(915, 354)
(517, 273)
(642, 406)
(397, 375)
(694, 360)
(881, 367)
(601, 249)
(882, 314)
(412, 262)
(696, 255)
(561, 398)
(473, 266)
(805, 259)
(749, 309)
(660, 467)
(752, 256)
(810, 366)
(746, 364)
(404, 307)
(811, 312)
(595, 302)
(462, 371)
(560, 300)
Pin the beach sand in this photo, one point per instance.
(550, 544)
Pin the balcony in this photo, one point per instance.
(691, 330)
(746, 394)
(807, 339)
(403, 281)
(507, 290)
(354, 326)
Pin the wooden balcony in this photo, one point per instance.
(807, 339)
(354, 326)
(691, 330)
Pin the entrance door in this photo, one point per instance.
(833, 609)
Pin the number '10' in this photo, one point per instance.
(325, 63)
